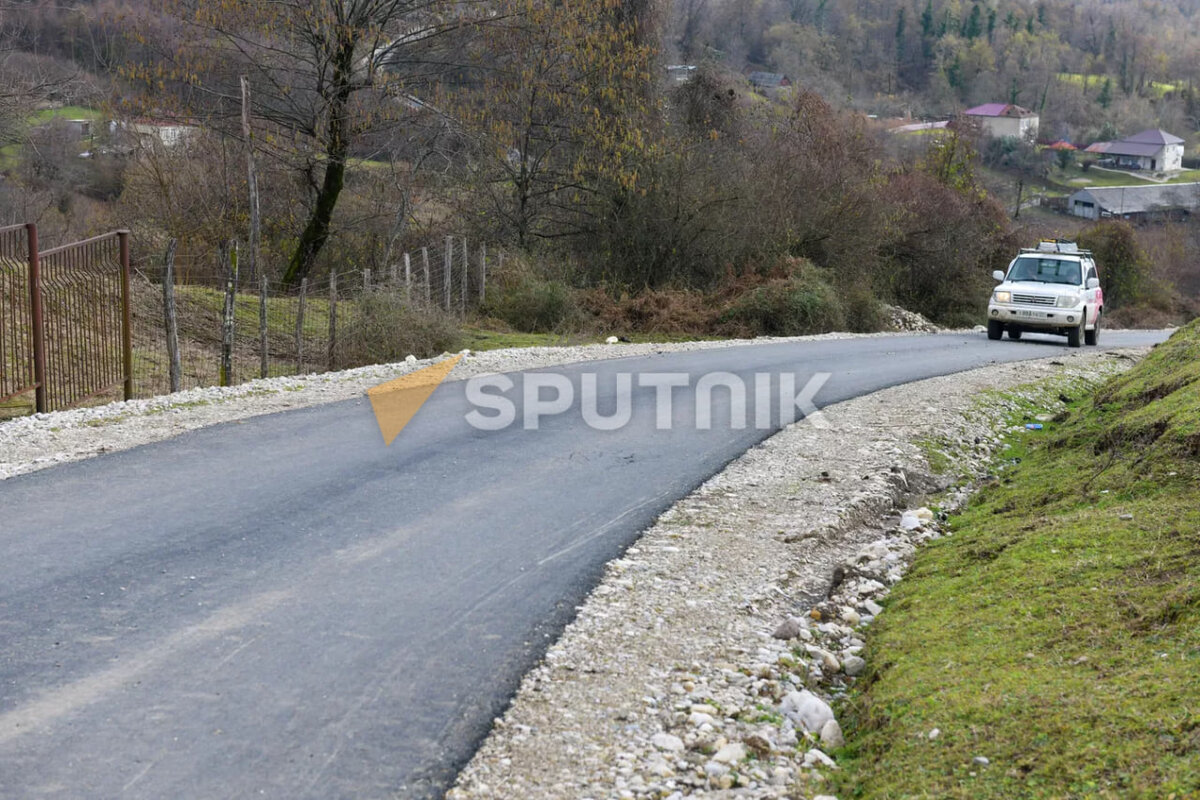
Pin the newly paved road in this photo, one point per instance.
(285, 608)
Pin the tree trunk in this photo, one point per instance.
(337, 147)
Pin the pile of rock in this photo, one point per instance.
(901, 319)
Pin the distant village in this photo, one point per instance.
(1154, 158)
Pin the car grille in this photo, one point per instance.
(1033, 300)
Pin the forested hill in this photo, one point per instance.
(1128, 63)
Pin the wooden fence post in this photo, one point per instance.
(482, 273)
(425, 260)
(300, 326)
(229, 252)
(126, 313)
(462, 301)
(407, 279)
(171, 319)
(448, 269)
(333, 301)
(264, 365)
(37, 320)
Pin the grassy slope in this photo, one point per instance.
(1050, 634)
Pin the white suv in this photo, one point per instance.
(1054, 288)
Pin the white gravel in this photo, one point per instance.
(43, 440)
(702, 663)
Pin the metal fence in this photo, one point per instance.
(66, 319)
(16, 315)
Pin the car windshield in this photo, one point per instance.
(1046, 270)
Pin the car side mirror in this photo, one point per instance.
(998, 276)
(1093, 283)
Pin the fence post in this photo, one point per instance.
(393, 267)
(171, 319)
(366, 280)
(462, 301)
(333, 301)
(126, 314)
(300, 327)
(407, 279)
(482, 273)
(448, 269)
(37, 320)
(264, 366)
(229, 253)
(425, 259)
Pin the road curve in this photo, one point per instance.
(285, 608)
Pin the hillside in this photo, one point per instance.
(1055, 633)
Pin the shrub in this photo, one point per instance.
(864, 312)
(1125, 269)
(797, 304)
(382, 328)
(530, 302)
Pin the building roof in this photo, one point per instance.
(1153, 136)
(999, 110)
(1061, 144)
(1127, 148)
(768, 80)
(1145, 144)
(1143, 198)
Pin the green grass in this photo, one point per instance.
(1093, 83)
(1057, 632)
(66, 112)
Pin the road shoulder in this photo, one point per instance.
(670, 680)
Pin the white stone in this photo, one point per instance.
(668, 742)
(817, 758)
(831, 735)
(731, 753)
(806, 711)
(611, 340)
(854, 665)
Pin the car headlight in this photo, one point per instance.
(1003, 297)
(1069, 300)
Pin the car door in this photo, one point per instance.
(1095, 297)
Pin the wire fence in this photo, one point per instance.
(77, 327)
(255, 327)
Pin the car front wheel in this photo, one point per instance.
(1075, 335)
(995, 329)
(1092, 337)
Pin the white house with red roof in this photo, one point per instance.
(1154, 150)
(1005, 119)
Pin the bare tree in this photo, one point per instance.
(326, 74)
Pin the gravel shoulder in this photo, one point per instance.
(44, 440)
(704, 660)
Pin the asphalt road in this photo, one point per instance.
(285, 608)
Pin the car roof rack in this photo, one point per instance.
(1063, 246)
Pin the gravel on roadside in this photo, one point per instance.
(711, 655)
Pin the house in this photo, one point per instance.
(167, 133)
(1154, 150)
(1135, 202)
(1001, 120)
(769, 80)
(680, 73)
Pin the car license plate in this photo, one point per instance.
(1023, 313)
